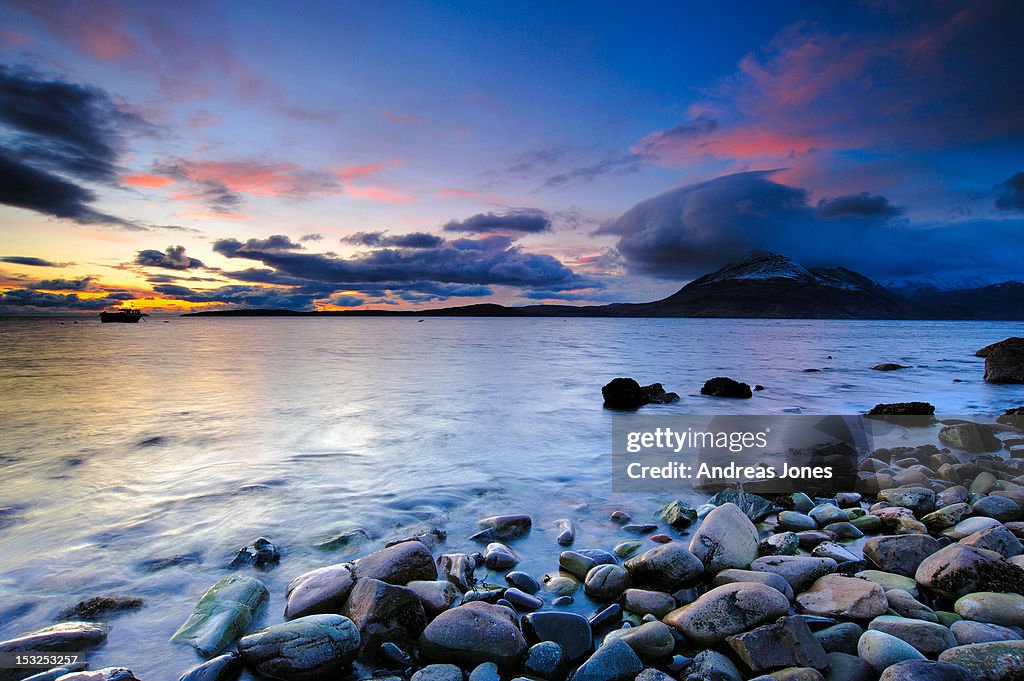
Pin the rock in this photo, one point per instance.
(614, 661)
(726, 610)
(323, 590)
(636, 528)
(383, 613)
(428, 537)
(755, 507)
(792, 674)
(435, 596)
(732, 576)
(841, 596)
(929, 638)
(627, 548)
(725, 539)
(666, 567)
(345, 540)
(398, 564)
(889, 581)
(825, 514)
(457, 568)
(57, 672)
(546, 660)
(722, 386)
(972, 437)
(901, 554)
(796, 522)
(947, 516)
(678, 515)
(710, 665)
(304, 649)
(836, 552)
(967, 632)
(651, 641)
(996, 507)
(643, 602)
(606, 582)
(779, 544)
(651, 674)
(785, 643)
(260, 554)
(1005, 362)
(920, 500)
(522, 601)
(566, 532)
(473, 633)
(576, 564)
(606, 617)
(903, 409)
(560, 583)
(996, 538)
(438, 672)
(888, 366)
(996, 661)
(485, 671)
(222, 615)
(799, 571)
(523, 581)
(568, 629)
(105, 674)
(626, 393)
(840, 638)
(222, 668)
(925, 670)
(504, 526)
(845, 667)
(957, 570)
(905, 605)
(882, 650)
(1005, 609)
(969, 526)
(497, 556)
(100, 608)
(845, 530)
(61, 637)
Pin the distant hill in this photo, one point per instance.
(761, 285)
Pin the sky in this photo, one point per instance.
(192, 155)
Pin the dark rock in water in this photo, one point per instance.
(566, 532)
(485, 671)
(710, 665)
(397, 564)
(223, 614)
(652, 641)
(473, 633)
(785, 643)
(60, 637)
(665, 567)
(458, 569)
(157, 564)
(383, 613)
(987, 350)
(57, 672)
(722, 386)
(429, 538)
(522, 601)
(260, 554)
(100, 608)
(640, 529)
(435, 596)
(438, 672)
(614, 661)
(567, 629)
(220, 668)
(1004, 362)
(346, 539)
(497, 556)
(973, 437)
(755, 507)
(599, 556)
(576, 563)
(305, 649)
(503, 527)
(925, 670)
(678, 515)
(563, 601)
(620, 517)
(758, 388)
(903, 409)
(546, 660)
(523, 581)
(889, 366)
(319, 591)
(606, 617)
(626, 393)
(105, 674)
(643, 602)
(1013, 418)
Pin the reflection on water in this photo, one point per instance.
(125, 448)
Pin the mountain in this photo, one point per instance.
(760, 285)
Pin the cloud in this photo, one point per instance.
(613, 163)
(855, 205)
(315, 236)
(691, 230)
(273, 243)
(1011, 193)
(28, 260)
(382, 239)
(173, 258)
(83, 284)
(22, 301)
(524, 220)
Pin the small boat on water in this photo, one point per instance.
(123, 316)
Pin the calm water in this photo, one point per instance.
(125, 443)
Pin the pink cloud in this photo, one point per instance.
(204, 119)
(147, 181)
(456, 193)
(260, 178)
(382, 194)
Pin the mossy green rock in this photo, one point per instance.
(995, 661)
(223, 614)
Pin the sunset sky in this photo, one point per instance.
(297, 155)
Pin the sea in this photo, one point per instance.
(136, 459)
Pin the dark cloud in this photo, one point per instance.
(83, 284)
(173, 258)
(613, 163)
(1011, 194)
(854, 205)
(525, 220)
(274, 242)
(22, 301)
(27, 260)
(383, 239)
(316, 236)
(689, 231)
(241, 296)
(211, 191)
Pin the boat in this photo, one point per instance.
(123, 316)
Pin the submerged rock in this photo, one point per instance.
(723, 386)
(678, 515)
(222, 668)
(260, 554)
(223, 614)
(626, 393)
(504, 527)
(566, 532)
(346, 539)
(307, 648)
(60, 637)
(666, 567)
(101, 608)
(903, 409)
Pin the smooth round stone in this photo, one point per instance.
(606, 582)
(867, 523)
(856, 512)
(810, 538)
(889, 580)
(575, 563)
(389, 652)
(946, 618)
(627, 548)
(801, 502)
(563, 601)
(566, 532)
(725, 539)
(1004, 609)
(665, 567)
(497, 556)
(620, 517)
(651, 641)
(929, 638)
(712, 665)
(796, 522)
(220, 668)
(560, 583)
(568, 629)
(438, 672)
(546, 660)
(835, 551)
(882, 650)
(473, 633)
(643, 602)
(521, 600)
(799, 571)
(840, 596)
(485, 671)
(905, 605)
(967, 632)
(733, 575)
(306, 647)
(505, 526)
(995, 661)
(926, 670)
(607, 617)
(840, 638)
(614, 661)
(727, 610)
(844, 667)
(844, 530)
(826, 514)
(999, 508)
(920, 500)
(436, 596)
(644, 528)
(848, 499)
(599, 556)
(523, 581)
(967, 527)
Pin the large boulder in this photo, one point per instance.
(995, 661)
(223, 614)
(305, 649)
(1004, 362)
(958, 570)
(626, 393)
(398, 564)
(972, 437)
(722, 386)
(842, 596)
(384, 613)
(725, 539)
(726, 610)
(1004, 609)
(614, 661)
(665, 567)
(319, 591)
(900, 553)
(473, 633)
(929, 638)
(785, 643)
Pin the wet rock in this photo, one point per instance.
(620, 517)
(972, 437)
(796, 522)
(958, 570)
(626, 393)
(723, 386)
(996, 661)
(867, 523)
(905, 605)
(560, 583)
(925, 670)
(844, 530)
(755, 507)
(836, 552)
(398, 564)
(666, 567)
(1005, 362)
(845, 667)
(997, 538)
(304, 649)
(678, 515)
(651, 674)
(607, 617)
(785, 643)
(889, 581)
(319, 591)
(473, 633)
(606, 582)
(732, 576)
(393, 657)
(260, 554)
(438, 672)
(221, 668)
(546, 660)
(497, 556)
(65, 636)
(568, 629)
(223, 614)
(967, 632)
(458, 568)
(1005, 609)
(779, 544)
(627, 548)
(947, 516)
(522, 601)
(651, 641)
(928, 638)
(429, 538)
(882, 650)
(901, 554)
(840, 638)
(435, 596)
(969, 526)
(105, 674)
(100, 608)
(997, 507)
(710, 665)
(825, 514)
(485, 671)
(725, 539)
(799, 571)
(841, 596)
(566, 532)
(614, 661)
(57, 672)
(903, 409)
(643, 602)
(645, 528)
(576, 564)
(523, 582)
(889, 366)
(504, 526)
(344, 540)
(727, 610)
(382, 613)
(792, 674)
(919, 500)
